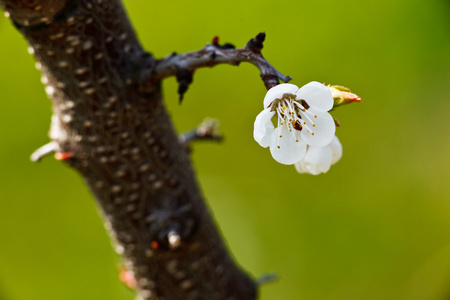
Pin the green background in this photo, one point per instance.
(376, 226)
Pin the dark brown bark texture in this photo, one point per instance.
(113, 125)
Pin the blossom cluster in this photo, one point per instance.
(304, 135)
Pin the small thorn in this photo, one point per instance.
(43, 151)
(215, 41)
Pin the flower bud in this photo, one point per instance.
(342, 95)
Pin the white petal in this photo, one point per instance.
(263, 127)
(324, 129)
(300, 167)
(317, 160)
(336, 149)
(316, 95)
(278, 91)
(290, 151)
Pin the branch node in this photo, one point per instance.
(255, 45)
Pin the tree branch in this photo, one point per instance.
(208, 130)
(109, 123)
(183, 65)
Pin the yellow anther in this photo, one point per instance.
(312, 133)
(278, 147)
(296, 141)
(315, 116)
(281, 136)
(314, 125)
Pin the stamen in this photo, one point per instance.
(305, 112)
(278, 147)
(307, 128)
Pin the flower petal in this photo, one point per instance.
(316, 95)
(317, 160)
(300, 167)
(263, 127)
(289, 151)
(336, 149)
(324, 129)
(278, 91)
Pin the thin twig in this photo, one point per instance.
(208, 130)
(183, 65)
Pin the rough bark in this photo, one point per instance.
(110, 125)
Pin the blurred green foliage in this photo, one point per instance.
(377, 226)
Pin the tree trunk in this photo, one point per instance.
(109, 123)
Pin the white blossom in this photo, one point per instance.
(319, 159)
(302, 120)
